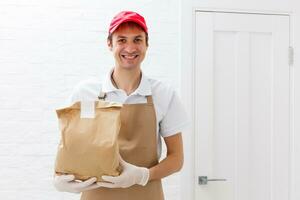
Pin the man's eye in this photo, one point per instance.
(138, 40)
(121, 40)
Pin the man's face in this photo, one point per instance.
(128, 46)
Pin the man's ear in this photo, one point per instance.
(109, 44)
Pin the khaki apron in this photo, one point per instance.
(138, 146)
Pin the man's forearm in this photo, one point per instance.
(171, 164)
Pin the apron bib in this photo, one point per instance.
(138, 146)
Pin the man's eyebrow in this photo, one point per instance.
(121, 36)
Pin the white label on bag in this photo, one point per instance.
(87, 109)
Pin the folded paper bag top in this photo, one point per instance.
(89, 146)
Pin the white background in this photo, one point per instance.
(46, 48)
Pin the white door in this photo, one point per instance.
(242, 106)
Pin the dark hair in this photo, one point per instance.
(131, 25)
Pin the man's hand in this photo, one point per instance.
(66, 183)
(130, 175)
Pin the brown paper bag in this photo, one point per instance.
(89, 146)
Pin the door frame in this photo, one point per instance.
(187, 90)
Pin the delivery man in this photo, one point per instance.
(151, 111)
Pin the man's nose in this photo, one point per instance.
(131, 47)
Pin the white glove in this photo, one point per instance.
(130, 175)
(66, 183)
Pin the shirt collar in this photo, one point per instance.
(144, 88)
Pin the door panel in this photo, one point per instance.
(242, 106)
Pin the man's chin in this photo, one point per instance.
(129, 67)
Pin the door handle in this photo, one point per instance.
(202, 180)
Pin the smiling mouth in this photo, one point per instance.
(129, 57)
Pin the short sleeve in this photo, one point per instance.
(175, 119)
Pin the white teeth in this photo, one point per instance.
(129, 57)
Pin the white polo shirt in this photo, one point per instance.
(170, 114)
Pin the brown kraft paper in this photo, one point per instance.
(89, 146)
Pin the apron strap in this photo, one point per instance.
(149, 99)
(102, 96)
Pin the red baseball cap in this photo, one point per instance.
(126, 16)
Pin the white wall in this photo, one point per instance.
(46, 48)
(186, 21)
